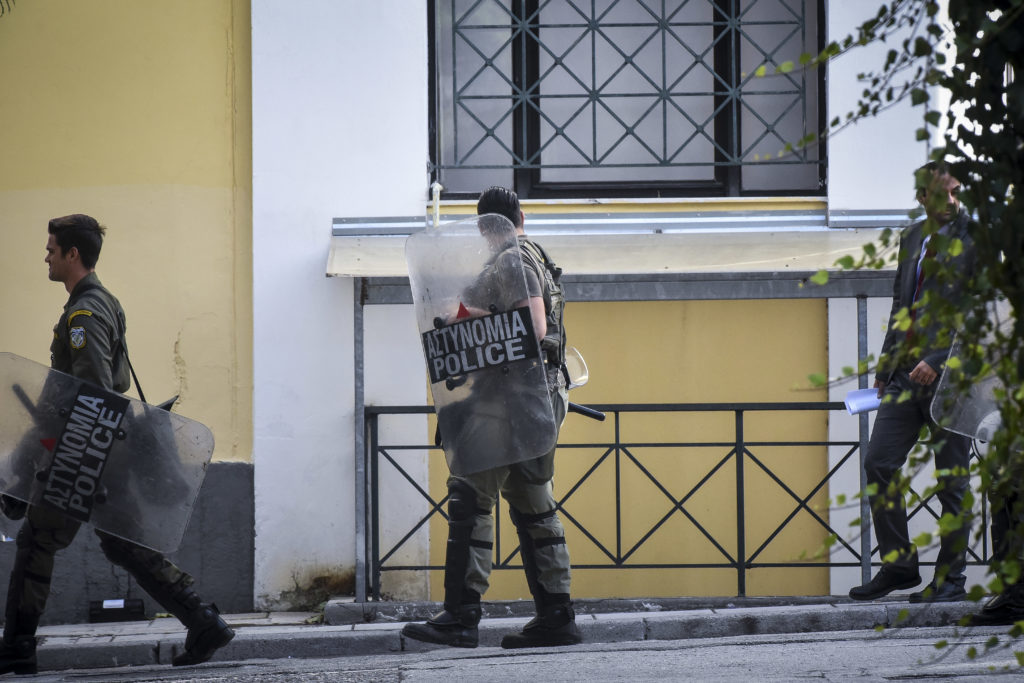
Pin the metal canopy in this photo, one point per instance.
(676, 287)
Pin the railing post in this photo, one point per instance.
(359, 447)
(862, 382)
(618, 488)
(373, 428)
(741, 550)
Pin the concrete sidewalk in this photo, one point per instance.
(347, 631)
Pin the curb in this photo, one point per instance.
(101, 649)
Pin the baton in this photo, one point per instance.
(25, 400)
(586, 412)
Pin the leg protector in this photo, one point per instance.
(528, 548)
(555, 623)
(457, 624)
(462, 511)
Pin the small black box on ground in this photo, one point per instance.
(128, 609)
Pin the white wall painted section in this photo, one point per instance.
(394, 375)
(339, 129)
(871, 164)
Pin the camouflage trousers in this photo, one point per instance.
(44, 533)
(526, 487)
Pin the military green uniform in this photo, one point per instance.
(87, 343)
(526, 485)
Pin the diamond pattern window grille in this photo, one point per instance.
(624, 97)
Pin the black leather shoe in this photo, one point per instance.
(207, 633)
(886, 581)
(1001, 610)
(555, 625)
(18, 657)
(947, 592)
(445, 628)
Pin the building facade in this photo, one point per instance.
(259, 165)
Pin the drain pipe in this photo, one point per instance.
(435, 191)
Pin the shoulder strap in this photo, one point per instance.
(538, 253)
(121, 344)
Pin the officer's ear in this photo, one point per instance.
(73, 254)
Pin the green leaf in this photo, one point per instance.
(820, 278)
(922, 134)
(941, 644)
(761, 71)
(976, 593)
(845, 262)
(784, 68)
(1020, 657)
(972, 652)
(817, 379)
(918, 96)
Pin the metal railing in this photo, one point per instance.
(740, 451)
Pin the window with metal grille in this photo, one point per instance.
(624, 97)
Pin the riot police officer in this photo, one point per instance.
(88, 343)
(526, 485)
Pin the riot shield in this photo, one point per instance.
(486, 371)
(974, 413)
(128, 468)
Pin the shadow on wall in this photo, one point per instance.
(217, 551)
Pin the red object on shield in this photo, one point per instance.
(463, 312)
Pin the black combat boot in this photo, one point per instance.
(18, 656)
(554, 625)
(207, 632)
(458, 628)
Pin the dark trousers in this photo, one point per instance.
(896, 431)
(1005, 522)
(43, 533)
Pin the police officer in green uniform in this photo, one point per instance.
(88, 343)
(525, 485)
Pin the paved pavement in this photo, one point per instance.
(346, 628)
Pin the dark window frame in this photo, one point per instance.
(728, 181)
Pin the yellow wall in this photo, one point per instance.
(137, 113)
(686, 352)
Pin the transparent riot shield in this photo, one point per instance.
(974, 413)
(485, 367)
(128, 468)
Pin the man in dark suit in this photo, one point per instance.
(910, 363)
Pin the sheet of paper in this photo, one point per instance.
(862, 401)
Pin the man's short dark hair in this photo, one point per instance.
(924, 174)
(501, 201)
(81, 232)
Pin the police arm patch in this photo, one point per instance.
(77, 338)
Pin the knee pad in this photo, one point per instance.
(462, 502)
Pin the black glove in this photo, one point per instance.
(13, 508)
